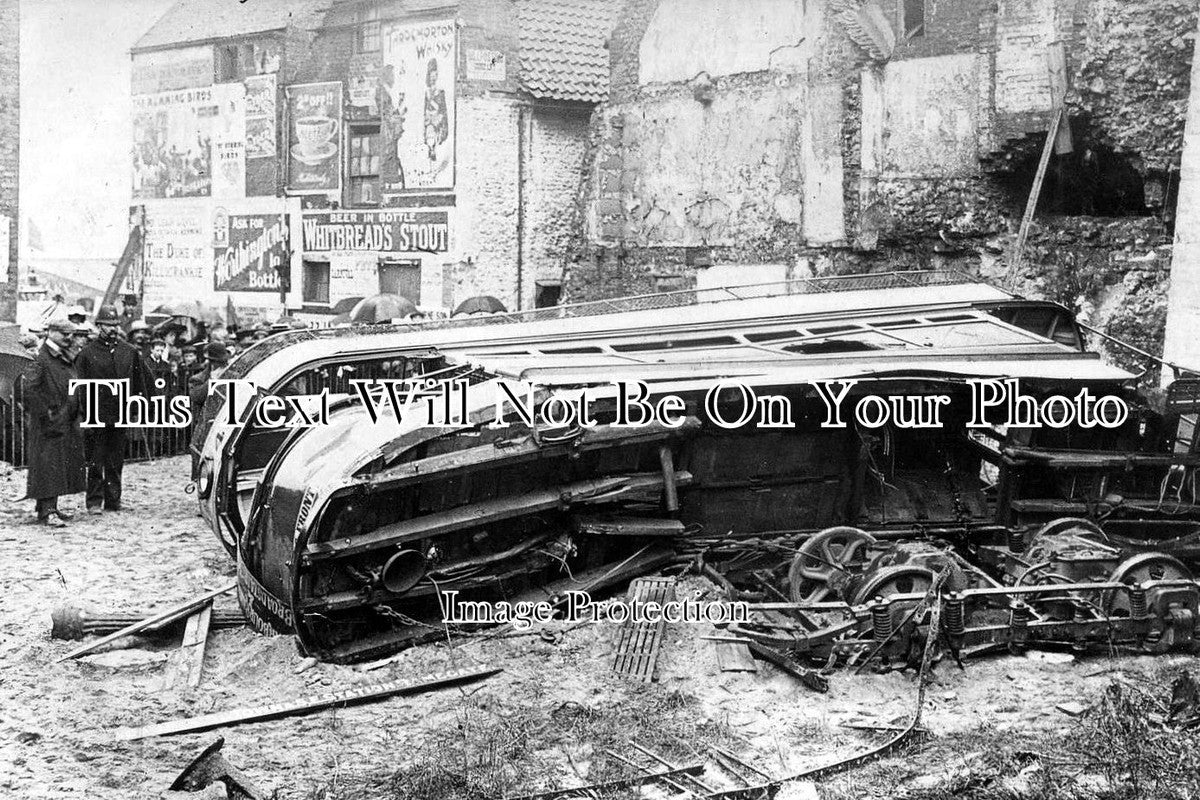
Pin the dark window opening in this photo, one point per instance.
(1093, 181)
(364, 165)
(830, 346)
(675, 344)
(914, 18)
(771, 336)
(316, 282)
(367, 38)
(547, 295)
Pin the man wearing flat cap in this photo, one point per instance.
(216, 357)
(108, 357)
(55, 447)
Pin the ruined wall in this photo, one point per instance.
(1133, 75)
(934, 146)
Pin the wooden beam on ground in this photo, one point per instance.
(187, 663)
(347, 697)
(178, 611)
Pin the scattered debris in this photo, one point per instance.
(126, 659)
(211, 767)
(1184, 711)
(73, 623)
(809, 677)
(734, 656)
(178, 612)
(596, 789)
(287, 709)
(185, 665)
(639, 640)
(1072, 708)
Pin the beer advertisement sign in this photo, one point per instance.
(250, 250)
(380, 231)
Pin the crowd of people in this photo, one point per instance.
(65, 458)
(166, 360)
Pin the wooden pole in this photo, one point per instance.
(181, 610)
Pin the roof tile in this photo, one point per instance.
(564, 54)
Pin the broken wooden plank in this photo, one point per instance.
(187, 663)
(639, 640)
(171, 613)
(594, 789)
(346, 697)
(735, 657)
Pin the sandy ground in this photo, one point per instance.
(56, 719)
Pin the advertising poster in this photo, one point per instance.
(376, 231)
(364, 82)
(229, 142)
(172, 144)
(314, 137)
(255, 247)
(168, 70)
(260, 116)
(416, 106)
(178, 256)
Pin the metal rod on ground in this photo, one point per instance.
(184, 609)
(594, 789)
(222, 719)
(631, 763)
(729, 754)
(648, 752)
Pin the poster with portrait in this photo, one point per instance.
(314, 138)
(172, 143)
(416, 106)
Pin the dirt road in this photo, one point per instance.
(544, 719)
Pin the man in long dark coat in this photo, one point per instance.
(108, 357)
(55, 446)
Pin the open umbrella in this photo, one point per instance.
(345, 305)
(480, 304)
(382, 308)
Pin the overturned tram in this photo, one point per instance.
(858, 540)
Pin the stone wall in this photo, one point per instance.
(934, 148)
(555, 148)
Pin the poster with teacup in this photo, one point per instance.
(416, 105)
(314, 137)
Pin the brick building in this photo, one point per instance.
(770, 139)
(10, 112)
(298, 154)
